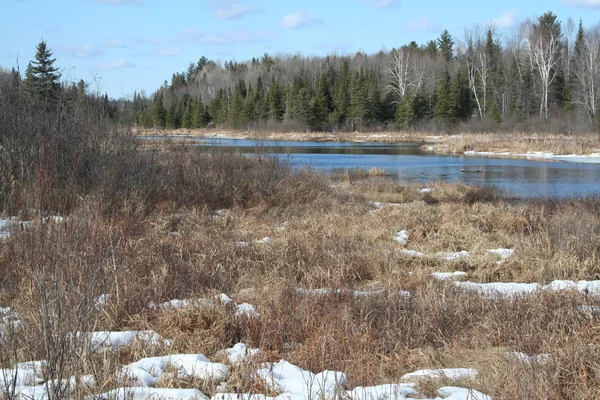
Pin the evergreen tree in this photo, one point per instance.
(445, 106)
(159, 114)
(342, 95)
(275, 101)
(446, 45)
(42, 76)
(359, 106)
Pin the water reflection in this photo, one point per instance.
(408, 163)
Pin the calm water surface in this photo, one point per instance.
(408, 163)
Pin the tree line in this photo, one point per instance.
(540, 73)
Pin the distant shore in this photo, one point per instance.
(541, 146)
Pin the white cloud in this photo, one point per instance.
(113, 65)
(115, 43)
(228, 9)
(299, 19)
(168, 52)
(120, 2)
(228, 39)
(382, 3)
(422, 24)
(79, 50)
(582, 3)
(506, 20)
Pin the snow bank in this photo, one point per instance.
(240, 353)
(146, 393)
(355, 293)
(147, 371)
(399, 391)
(297, 384)
(244, 309)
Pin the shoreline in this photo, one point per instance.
(583, 148)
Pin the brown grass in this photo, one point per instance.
(321, 237)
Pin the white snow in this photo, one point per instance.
(294, 383)
(240, 353)
(264, 240)
(412, 253)
(589, 309)
(504, 254)
(445, 373)
(593, 158)
(147, 393)
(525, 358)
(298, 384)
(499, 289)
(147, 371)
(102, 340)
(399, 391)
(445, 276)
(401, 237)
(426, 190)
(102, 300)
(457, 393)
(455, 256)
(355, 293)
(246, 310)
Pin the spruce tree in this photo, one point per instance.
(446, 45)
(42, 76)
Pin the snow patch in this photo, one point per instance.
(445, 373)
(446, 276)
(402, 237)
(147, 393)
(103, 340)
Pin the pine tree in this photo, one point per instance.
(275, 101)
(359, 106)
(446, 45)
(159, 114)
(42, 77)
(342, 95)
(445, 107)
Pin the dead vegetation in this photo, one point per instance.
(199, 233)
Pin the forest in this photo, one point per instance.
(543, 74)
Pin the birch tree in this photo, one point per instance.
(544, 45)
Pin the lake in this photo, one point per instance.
(408, 163)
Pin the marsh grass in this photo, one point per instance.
(171, 243)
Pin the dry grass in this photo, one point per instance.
(513, 142)
(321, 237)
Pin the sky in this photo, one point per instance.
(122, 46)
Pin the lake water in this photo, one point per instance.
(408, 163)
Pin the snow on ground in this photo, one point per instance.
(383, 392)
(294, 383)
(104, 340)
(412, 253)
(244, 309)
(458, 393)
(508, 289)
(445, 276)
(589, 310)
(426, 190)
(146, 393)
(148, 371)
(455, 256)
(261, 241)
(504, 254)
(525, 358)
(355, 293)
(9, 321)
(402, 237)
(240, 353)
(593, 158)
(445, 373)
(299, 384)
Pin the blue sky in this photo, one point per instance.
(120, 46)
